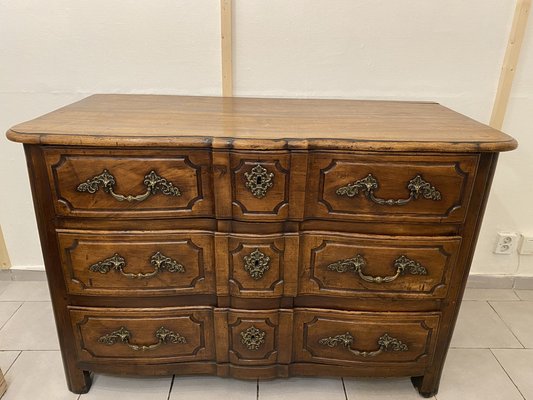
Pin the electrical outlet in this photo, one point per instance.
(526, 247)
(506, 243)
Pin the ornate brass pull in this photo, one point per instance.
(386, 343)
(402, 264)
(417, 187)
(153, 182)
(256, 264)
(259, 180)
(253, 338)
(118, 263)
(122, 335)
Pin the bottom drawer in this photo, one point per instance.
(148, 335)
(352, 338)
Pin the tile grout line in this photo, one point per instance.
(171, 386)
(344, 388)
(516, 294)
(9, 319)
(506, 373)
(14, 361)
(505, 323)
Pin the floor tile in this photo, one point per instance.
(524, 294)
(26, 291)
(37, 375)
(32, 327)
(519, 367)
(519, 318)
(212, 388)
(3, 286)
(107, 387)
(302, 388)
(380, 389)
(7, 309)
(490, 294)
(478, 326)
(7, 358)
(475, 374)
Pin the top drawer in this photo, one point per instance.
(389, 187)
(130, 183)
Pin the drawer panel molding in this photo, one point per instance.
(152, 335)
(344, 338)
(354, 266)
(138, 263)
(390, 188)
(130, 184)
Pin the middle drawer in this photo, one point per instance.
(137, 264)
(354, 266)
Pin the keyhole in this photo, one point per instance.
(256, 263)
(258, 180)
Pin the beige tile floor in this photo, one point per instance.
(491, 357)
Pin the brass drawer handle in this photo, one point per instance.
(118, 263)
(122, 335)
(386, 343)
(253, 338)
(152, 181)
(402, 264)
(417, 187)
(259, 180)
(256, 264)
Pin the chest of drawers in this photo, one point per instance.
(257, 238)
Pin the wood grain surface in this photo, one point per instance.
(150, 120)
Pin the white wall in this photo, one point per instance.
(448, 51)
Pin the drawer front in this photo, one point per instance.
(350, 338)
(390, 187)
(150, 335)
(363, 266)
(262, 266)
(260, 185)
(137, 264)
(256, 337)
(128, 183)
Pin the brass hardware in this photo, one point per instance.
(118, 263)
(258, 181)
(256, 264)
(153, 182)
(386, 343)
(253, 338)
(122, 335)
(402, 264)
(416, 186)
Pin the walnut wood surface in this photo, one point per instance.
(300, 223)
(148, 120)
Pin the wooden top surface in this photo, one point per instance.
(253, 123)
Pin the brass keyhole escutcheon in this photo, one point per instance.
(258, 181)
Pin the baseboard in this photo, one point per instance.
(23, 273)
(476, 281)
(479, 281)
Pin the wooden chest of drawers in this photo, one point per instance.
(257, 238)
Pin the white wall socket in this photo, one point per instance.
(526, 247)
(506, 243)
